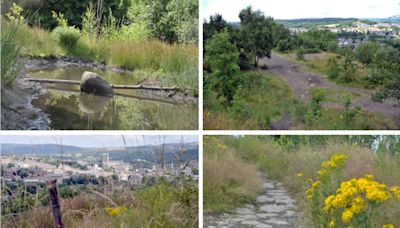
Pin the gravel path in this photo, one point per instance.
(273, 208)
(301, 81)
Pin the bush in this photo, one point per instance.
(333, 68)
(300, 53)
(67, 37)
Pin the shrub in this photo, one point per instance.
(300, 53)
(67, 37)
(333, 70)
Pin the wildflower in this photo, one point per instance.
(222, 146)
(396, 192)
(331, 224)
(115, 211)
(316, 184)
(322, 172)
(388, 226)
(347, 215)
(300, 174)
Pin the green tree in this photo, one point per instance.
(256, 34)
(214, 25)
(386, 66)
(366, 51)
(333, 68)
(222, 57)
(348, 65)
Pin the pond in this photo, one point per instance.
(128, 110)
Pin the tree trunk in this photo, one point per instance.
(55, 203)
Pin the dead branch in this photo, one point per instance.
(74, 82)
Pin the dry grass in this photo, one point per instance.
(284, 166)
(162, 205)
(229, 181)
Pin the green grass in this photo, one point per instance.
(283, 165)
(172, 65)
(317, 63)
(10, 54)
(265, 98)
(333, 95)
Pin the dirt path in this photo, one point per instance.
(301, 81)
(273, 208)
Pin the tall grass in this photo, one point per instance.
(282, 165)
(173, 64)
(10, 53)
(163, 205)
(228, 180)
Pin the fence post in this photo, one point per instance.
(55, 203)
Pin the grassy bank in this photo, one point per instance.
(229, 181)
(171, 64)
(296, 165)
(162, 205)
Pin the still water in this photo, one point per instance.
(129, 110)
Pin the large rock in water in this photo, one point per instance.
(95, 84)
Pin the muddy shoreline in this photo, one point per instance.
(18, 113)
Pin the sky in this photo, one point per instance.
(291, 9)
(95, 140)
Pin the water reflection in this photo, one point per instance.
(82, 111)
(131, 110)
(91, 103)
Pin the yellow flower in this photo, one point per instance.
(388, 226)
(316, 184)
(396, 192)
(347, 215)
(331, 224)
(322, 172)
(300, 174)
(222, 146)
(115, 211)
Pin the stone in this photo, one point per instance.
(251, 222)
(263, 226)
(273, 208)
(264, 199)
(248, 217)
(244, 211)
(276, 222)
(268, 185)
(266, 215)
(93, 83)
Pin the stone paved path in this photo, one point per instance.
(273, 208)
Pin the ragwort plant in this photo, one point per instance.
(353, 203)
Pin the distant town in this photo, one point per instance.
(351, 32)
(81, 169)
(34, 169)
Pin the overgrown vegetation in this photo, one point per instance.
(159, 37)
(331, 163)
(231, 49)
(161, 205)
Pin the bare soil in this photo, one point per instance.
(301, 81)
